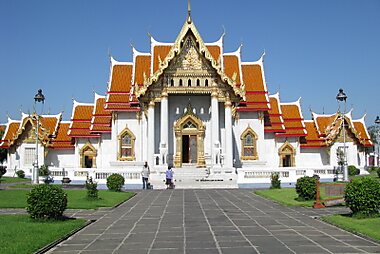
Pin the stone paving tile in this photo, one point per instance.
(238, 250)
(209, 221)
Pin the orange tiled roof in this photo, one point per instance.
(2, 130)
(81, 121)
(324, 121)
(214, 51)
(10, 133)
(142, 67)
(312, 139)
(49, 124)
(101, 119)
(121, 78)
(159, 53)
(231, 66)
(120, 96)
(361, 131)
(276, 120)
(62, 140)
(256, 94)
(293, 121)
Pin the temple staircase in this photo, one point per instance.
(191, 177)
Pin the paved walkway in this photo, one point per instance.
(210, 221)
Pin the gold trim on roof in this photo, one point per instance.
(176, 48)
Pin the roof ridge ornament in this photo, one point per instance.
(188, 12)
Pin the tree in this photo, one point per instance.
(374, 131)
(3, 154)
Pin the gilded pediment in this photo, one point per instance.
(189, 60)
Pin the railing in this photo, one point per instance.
(81, 174)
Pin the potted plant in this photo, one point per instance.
(65, 179)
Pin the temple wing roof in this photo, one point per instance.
(101, 118)
(329, 127)
(120, 92)
(312, 140)
(62, 140)
(276, 120)
(256, 92)
(9, 133)
(81, 120)
(293, 120)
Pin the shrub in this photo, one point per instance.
(306, 188)
(3, 170)
(44, 170)
(92, 191)
(353, 171)
(275, 181)
(362, 196)
(378, 172)
(46, 202)
(20, 173)
(115, 182)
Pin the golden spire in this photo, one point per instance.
(188, 12)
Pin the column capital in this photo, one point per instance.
(164, 93)
(151, 104)
(227, 103)
(214, 92)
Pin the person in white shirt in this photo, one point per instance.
(145, 172)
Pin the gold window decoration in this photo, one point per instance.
(127, 145)
(249, 145)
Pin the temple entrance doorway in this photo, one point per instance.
(189, 149)
(189, 145)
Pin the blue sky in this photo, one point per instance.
(313, 48)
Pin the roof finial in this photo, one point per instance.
(188, 12)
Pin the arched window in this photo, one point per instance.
(206, 82)
(189, 83)
(172, 82)
(180, 82)
(198, 82)
(249, 145)
(127, 145)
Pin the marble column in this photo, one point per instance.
(215, 145)
(150, 143)
(164, 128)
(228, 154)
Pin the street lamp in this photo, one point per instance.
(39, 97)
(377, 122)
(341, 96)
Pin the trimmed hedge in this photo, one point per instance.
(353, 171)
(115, 182)
(362, 196)
(275, 181)
(306, 188)
(46, 201)
(20, 173)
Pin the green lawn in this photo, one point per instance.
(19, 234)
(369, 227)
(76, 199)
(6, 179)
(286, 196)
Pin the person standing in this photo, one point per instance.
(145, 172)
(169, 178)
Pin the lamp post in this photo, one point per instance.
(377, 122)
(39, 97)
(341, 96)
